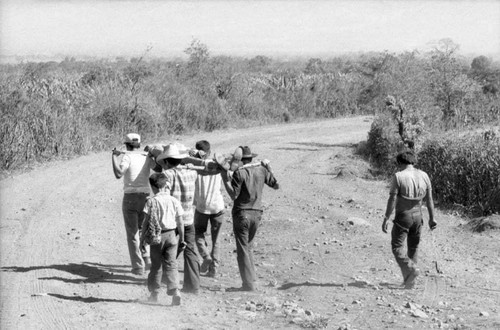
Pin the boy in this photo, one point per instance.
(162, 215)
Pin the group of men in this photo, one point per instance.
(187, 196)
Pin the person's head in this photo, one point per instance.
(247, 155)
(158, 182)
(171, 156)
(132, 141)
(203, 146)
(406, 158)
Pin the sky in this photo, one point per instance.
(111, 28)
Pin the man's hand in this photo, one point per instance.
(385, 225)
(266, 163)
(181, 247)
(142, 246)
(432, 224)
(116, 152)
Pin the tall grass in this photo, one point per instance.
(465, 171)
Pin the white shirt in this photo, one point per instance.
(208, 196)
(136, 167)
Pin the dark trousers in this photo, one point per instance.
(407, 226)
(191, 262)
(200, 224)
(245, 225)
(164, 262)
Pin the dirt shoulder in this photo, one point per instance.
(322, 259)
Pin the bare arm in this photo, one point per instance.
(180, 228)
(145, 225)
(391, 203)
(117, 170)
(429, 201)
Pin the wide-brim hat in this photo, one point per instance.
(247, 153)
(239, 154)
(172, 151)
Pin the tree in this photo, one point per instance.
(449, 84)
(198, 56)
(484, 72)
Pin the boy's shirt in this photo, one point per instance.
(163, 209)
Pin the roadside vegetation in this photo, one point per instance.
(448, 105)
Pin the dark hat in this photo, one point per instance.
(247, 153)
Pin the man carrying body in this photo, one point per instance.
(245, 189)
(209, 207)
(134, 167)
(409, 187)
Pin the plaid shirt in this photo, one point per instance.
(182, 182)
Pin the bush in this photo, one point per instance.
(464, 171)
(382, 144)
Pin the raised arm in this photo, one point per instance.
(117, 169)
(270, 178)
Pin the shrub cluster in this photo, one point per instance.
(464, 171)
(72, 107)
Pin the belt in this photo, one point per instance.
(166, 230)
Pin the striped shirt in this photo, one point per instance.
(182, 181)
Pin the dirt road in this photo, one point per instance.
(322, 259)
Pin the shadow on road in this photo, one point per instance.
(90, 273)
(316, 146)
(357, 284)
(91, 300)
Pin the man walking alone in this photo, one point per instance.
(409, 187)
